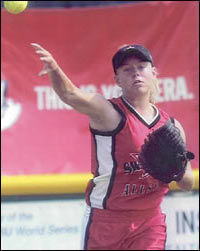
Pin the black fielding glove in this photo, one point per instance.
(164, 155)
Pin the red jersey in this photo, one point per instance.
(119, 183)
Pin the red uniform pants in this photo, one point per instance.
(111, 230)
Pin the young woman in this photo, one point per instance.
(123, 202)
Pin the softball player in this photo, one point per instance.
(123, 203)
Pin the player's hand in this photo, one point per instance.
(47, 59)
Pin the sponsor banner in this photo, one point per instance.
(56, 224)
(42, 135)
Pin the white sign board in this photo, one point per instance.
(56, 224)
(41, 225)
(182, 218)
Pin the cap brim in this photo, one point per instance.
(137, 53)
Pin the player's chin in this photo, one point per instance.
(140, 89)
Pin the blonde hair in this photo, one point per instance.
(154, 91)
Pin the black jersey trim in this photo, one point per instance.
(87, 231)
(112, 178)
(97, 161)
(113, 174)
(111, 134)
(139, 117)
(117, 129)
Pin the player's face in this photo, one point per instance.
(135, 76)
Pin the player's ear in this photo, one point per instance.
(154, 71)
(116, 77)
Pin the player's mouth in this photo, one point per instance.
(137, 82)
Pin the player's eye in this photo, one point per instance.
(141, 67)
(126, 69)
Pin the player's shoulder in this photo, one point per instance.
(117, 103)
(115, 100)
(167, 116)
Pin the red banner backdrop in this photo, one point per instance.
(40, 135)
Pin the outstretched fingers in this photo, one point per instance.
(37, 46)
(39, 49)
(45, 57)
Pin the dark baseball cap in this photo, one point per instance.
(131, 50)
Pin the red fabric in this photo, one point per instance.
(44, 138)
(130, 230)
(120, 183)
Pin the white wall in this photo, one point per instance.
(55, 224)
